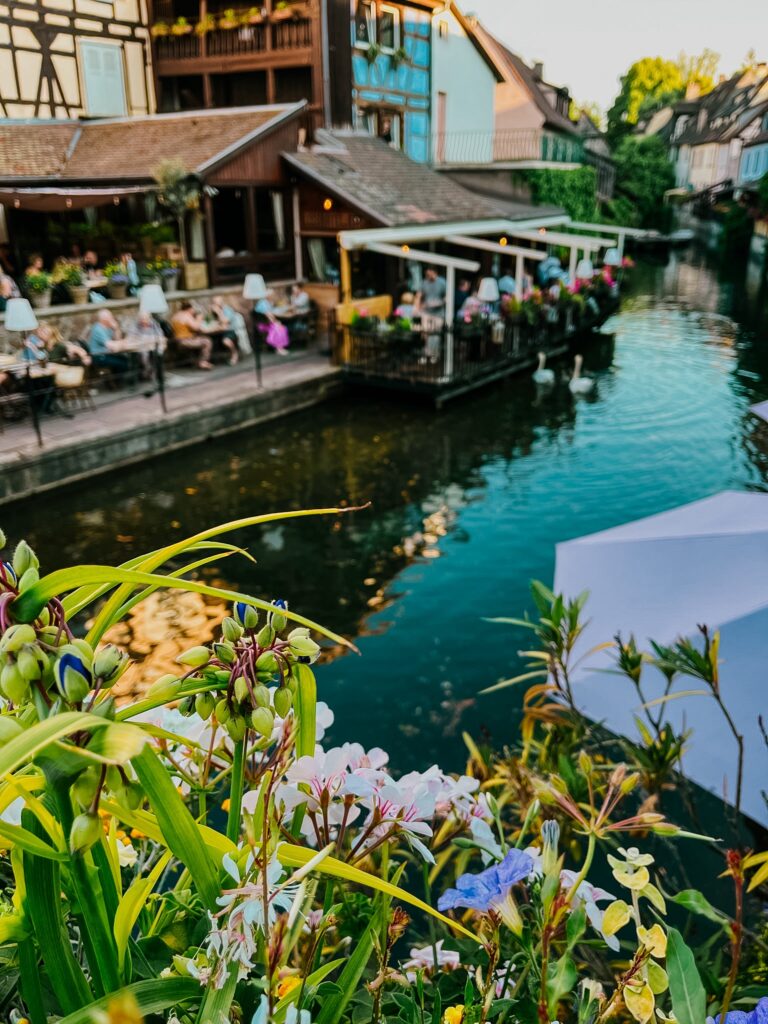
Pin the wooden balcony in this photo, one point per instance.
(270, 43)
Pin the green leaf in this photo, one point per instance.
(306, 712)
(12, 929)
(151, 996)
(14, 835)
(689, 1000)
(562, 979)
(116, 744)
(131, 905)
(180, 831)
(693, 901)
(217, 1001)
(349, 979)
(32, 741)
(576, 926)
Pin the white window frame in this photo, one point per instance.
(395, 12)
(82, 44)
(373, 25)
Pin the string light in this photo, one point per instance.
(68, 203)
(503, 240)
(542, 231)
(406, 248)
(327, 204)
(17, 203)
(116, 200)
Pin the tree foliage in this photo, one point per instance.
(643, 175)
(653, 82)
(574, 190)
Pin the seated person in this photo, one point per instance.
(36, 345)
(266, 307)
(91, 264)
(472, 306)
(189, 333)
(131, 271)
(36, 265)
(275, 334)
(407, 308)
(300, 301)
(8, 289)
(101, 340)
(69, 353)
(224, 317)
(507, 285)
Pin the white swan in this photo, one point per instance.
(543, 376)
(580, 385)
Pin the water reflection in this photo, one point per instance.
(467, 505)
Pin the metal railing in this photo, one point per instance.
(525, 145)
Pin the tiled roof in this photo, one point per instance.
(510, 65)
(385, 184)
(129, 149)
(722, 113)
(36, 149)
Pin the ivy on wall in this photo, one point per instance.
(574, 190)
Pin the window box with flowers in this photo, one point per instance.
(117, 281)
(38, 289)
(282, 11)
(253, 16)
(71, 276)
(160, 29)
(229, 19)
(181, 27)
(205, 25)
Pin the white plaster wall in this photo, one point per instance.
(459, 71)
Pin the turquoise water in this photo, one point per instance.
(467, 505)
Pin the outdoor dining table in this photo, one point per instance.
(39, 383)
(147, 345)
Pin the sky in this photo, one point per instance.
(588, 44)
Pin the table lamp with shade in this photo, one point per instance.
(19, 316)
(585, 270)
(255, 288)
(488, 291)
(612, 258)
(152, 301)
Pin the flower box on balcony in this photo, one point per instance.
(208, 24)
(254, 16)
(181, 27)
(284, 11)
(160, 29)
(229, 19)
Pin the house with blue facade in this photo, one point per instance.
(754, 154)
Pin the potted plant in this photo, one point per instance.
(38, 288)
(205, 25)
(150, 273)
(372, 53)
(253, 16)
(117, 281)
(159, 29)
(229, 19)
(399, 58)
(181, 27)
(282, 11)
(169, 275)
(71, 275)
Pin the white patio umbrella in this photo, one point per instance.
(659, 578)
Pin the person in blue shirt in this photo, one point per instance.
(36, 345)
(100, 344)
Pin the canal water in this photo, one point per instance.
(466, 507)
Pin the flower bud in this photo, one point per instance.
(109, 664)
(84, 649)
(195, 657)
(241, 689)
(266, 636)
(231, 630)
(130, 796)
(105, 708)
(16, 637)
(261, 695)
(278, 621)
(24, 558)
(85, 787)
(629, 783)
(266, 662)
(9, 729)
(85, 831)
(304, 647)
(205, 705)
(246, 615)
(187, 706)
(73, 678)
(224, 652)
(262, 721)
(28, 579)
(166, 687)
(299, 632)
(222, 710)
(28, 664)
(13, 684)
(2, 539)
(236, 727)
(283, 700)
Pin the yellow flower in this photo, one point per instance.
(120, 1010)
(225, 804)
(615, 917)
(286, 985)
(454, 1014)
(654, 940)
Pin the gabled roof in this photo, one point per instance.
(129, 149)
(510, 66)
(386, 185)
(725, 111)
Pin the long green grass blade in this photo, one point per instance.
(31, 990)
(28, 605)
(25, 747)
(151, 997)
(180, 831)
(131, 906)
(14, 835)
(218, 1001)
(349, 979)
(216, 843)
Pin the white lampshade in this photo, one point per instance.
(19, 315)
(585, 270)
(488, 290)
(254, 287)
(612, 258)
(152, 299)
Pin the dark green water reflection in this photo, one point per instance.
(488, 486)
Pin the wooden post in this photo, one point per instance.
(345, 275)
(210, 239)
(251, 233)
(298, 255)
(519, 277)
(450, 317)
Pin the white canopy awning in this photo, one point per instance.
(413, 233)
(658, 578)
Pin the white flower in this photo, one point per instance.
(538, 862)
(126, 855)
(292, 1015)
(423, 959)
(590, 895)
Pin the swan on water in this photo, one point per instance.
(542, 375)
(580, 385)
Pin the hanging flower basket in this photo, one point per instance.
(208, 24)
(160, 29)
(254, 16)
(282, 13)
(181, 27)
(229, 20)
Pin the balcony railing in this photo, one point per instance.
(525, 145)
(280, 36)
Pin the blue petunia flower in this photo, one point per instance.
(757, 1016)
(492, 890)
(280, 603)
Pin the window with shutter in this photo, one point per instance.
(104, 79)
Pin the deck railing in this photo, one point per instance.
(525, 145)
(290, 34)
